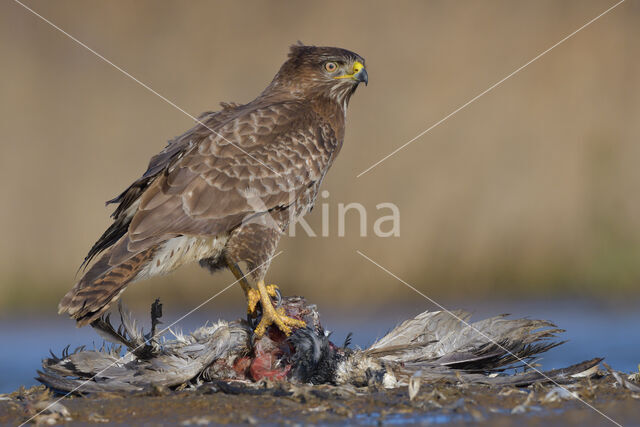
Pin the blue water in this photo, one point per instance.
(593, 330)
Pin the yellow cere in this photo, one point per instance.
(357, 66)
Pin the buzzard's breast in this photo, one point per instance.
(182, 250)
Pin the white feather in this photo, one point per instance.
(180, 251)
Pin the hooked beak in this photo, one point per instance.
(362, 76)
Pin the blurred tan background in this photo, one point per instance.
(531, 191)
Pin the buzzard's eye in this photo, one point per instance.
(330, 66)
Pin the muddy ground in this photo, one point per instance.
(437, 403)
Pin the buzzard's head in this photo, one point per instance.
(313, 71)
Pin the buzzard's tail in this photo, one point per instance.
(103, 284)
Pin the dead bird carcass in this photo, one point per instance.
(433, 345)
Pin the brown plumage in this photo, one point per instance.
(224, 191)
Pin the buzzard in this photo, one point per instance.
(224, 192)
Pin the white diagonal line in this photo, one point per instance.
(485, 336)
(146, 341)
(165, 99)
(493, 86)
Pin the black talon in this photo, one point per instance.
(254, 318)
(278, 298)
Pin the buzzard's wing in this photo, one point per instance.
(277, 152)
(174, 150)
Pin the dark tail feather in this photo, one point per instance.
(109, 238)
(101, 286)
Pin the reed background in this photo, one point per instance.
(529, 192)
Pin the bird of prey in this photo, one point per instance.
(224, 192)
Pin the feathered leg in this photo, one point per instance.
(255, 244)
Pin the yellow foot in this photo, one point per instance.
(253, 296)
(270, 315)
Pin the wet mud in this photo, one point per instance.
(439, 402)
